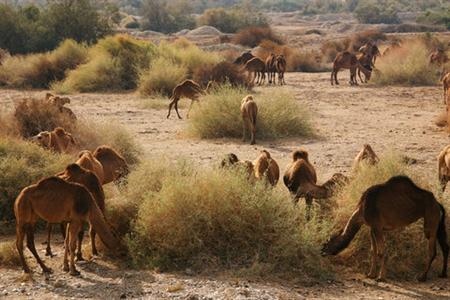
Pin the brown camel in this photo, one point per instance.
(249, 113)
(389, 206)
(114, 165)
(257, 69)
(89, 162)
(301, 180)
(280, 65)
(244, 58)
(232, 161)
(446, 85)
(347, 60)
(187, 89)
(367, 155)
(271, 68)
(57, 140)
(444, 166)
(60, 103)
(266, 168)
(55, 201)
(366, 61)
(371, 50)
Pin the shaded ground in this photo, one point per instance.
(398, 118)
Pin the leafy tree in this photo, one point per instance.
(373, 12)
(167, 17)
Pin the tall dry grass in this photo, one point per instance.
(406, 65)
(279, 115)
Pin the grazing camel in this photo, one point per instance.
(266, 168)
(347, 60)
(367, 155)
(57, 140)
(370, 50)
(301, 180)
(244, 58)
(280, 65)
(249, 113)
(364, 60)
(55, 200)
(75, 173)
(446, 85)
(232, 161)
(187, 89)
(114, 165)
(444, 166)
(87, 160)
(257, 69)
(392, 205)
(60, 103)
(271, 68)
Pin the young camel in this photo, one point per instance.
(271, 68)
(55, 201)
(347, 60)
(301, 180)
(75, 173)
(59, 102)
(257, 68)
(187, 89)
(444, 167)
(280, 65)
(249, 113)
(232, 161)
(367, 155)
(392, 205)
(265, 167)
(57, 140)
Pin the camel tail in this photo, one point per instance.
(98, 222)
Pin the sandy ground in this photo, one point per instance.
(345, 117)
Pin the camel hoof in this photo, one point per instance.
(75, 273)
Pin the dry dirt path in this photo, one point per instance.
(389, 118)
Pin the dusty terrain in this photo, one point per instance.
(345, 117)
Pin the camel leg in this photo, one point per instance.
(335, 72)
(443, 181)
(284, 82)
(79, 255)
(442, 239)
(74, 229)
(431, 236)
(66, 250)
(381, 246)
(170, 107)
(359, 75)
(373, 262)
(20, 235)
(263, 75)
(244, 129)
(32, 248)
(253, 133)
(92, 234)
(48, 250)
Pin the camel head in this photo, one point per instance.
(109, 157)
(43, 138)
(247, 98)
(59, 101)
(300, 154)
(334, 245)
(243, 58)
(229, 160)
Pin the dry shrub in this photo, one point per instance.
(279, 115)
(406, 249)
(331, 48)
(8, 254)
(114, 64)
(39, 70)
(406, 65)
(223, 72)
(22, 164)
(253, 36)
(32, 116)
(297, 61)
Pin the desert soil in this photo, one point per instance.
(345, 118)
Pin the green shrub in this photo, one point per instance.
(167, 16)
(371, 12)
(279, 115)
(39, 70)
(436, 17)
(114, 64)
(22, 164)
(406, 65)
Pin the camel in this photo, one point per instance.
(55, 200)
(438, 57)
(446, 85)
(280, 65)
(444, 166)
(114, 165)
(271, 68)
(366, 61)
(232, 161)
(370, 50)
(59, 102)
(347, 60)
(57, 140)
(244, 58)
(388, 206)
(367, 155)
(75, 173)
(257, 68)
(301, 180)
(187, 89)
(87, 160)
(249, 113)
(266, 168)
